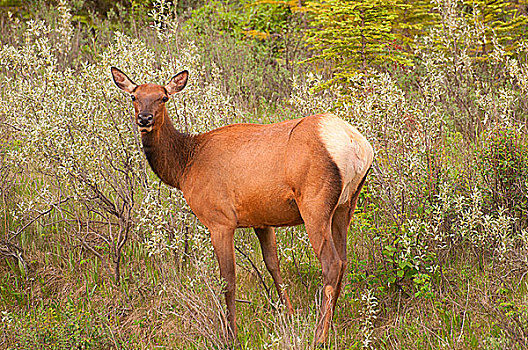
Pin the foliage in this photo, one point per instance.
(503, 162)
(54, 327)
(438, 243)
(415, 17)
(260, 41)
(356, 36)
(427, 198)
(86, 145)
(353, 35)
(500, 20)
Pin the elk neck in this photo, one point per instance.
(168, 151)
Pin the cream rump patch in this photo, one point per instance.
(349, 150)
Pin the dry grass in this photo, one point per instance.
(432, 262)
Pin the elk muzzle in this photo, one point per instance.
(145, 122)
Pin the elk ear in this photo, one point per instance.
(177, 83)
(122, 81)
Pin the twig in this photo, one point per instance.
(243, 301)
(387, 189)
(37, 217)
(14, 251)
(259, 275)
(304, 283)
(464, 316)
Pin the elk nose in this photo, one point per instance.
(144, 119)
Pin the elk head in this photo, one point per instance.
(149, 99)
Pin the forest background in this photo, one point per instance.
(96, 253)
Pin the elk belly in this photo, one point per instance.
(275, 207)
(346, 147)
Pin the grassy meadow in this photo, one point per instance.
(97, 253)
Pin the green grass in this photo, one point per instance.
(62, 303)
(451, 292)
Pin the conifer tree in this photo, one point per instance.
(414, 17)
(355, 36)
(501, 19)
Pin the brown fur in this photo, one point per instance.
(260, 176)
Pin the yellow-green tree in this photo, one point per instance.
(503, 20)
(413, 19)
(357, 35)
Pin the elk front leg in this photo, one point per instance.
(268, 243)
(224, 248)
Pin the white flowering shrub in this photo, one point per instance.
(443, 179)
(73, 129)
(448, 187)
(370, 312)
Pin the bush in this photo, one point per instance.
(503, 162)
(437, 248)
(54, 327)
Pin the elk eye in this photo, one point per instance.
(164, 98)
(133, 97)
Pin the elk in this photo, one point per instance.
(304, 171)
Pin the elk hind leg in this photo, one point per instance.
(340, 225)
(341, 221)
(268, 243)
(318, 222)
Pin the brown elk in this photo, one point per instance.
(308, 170)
